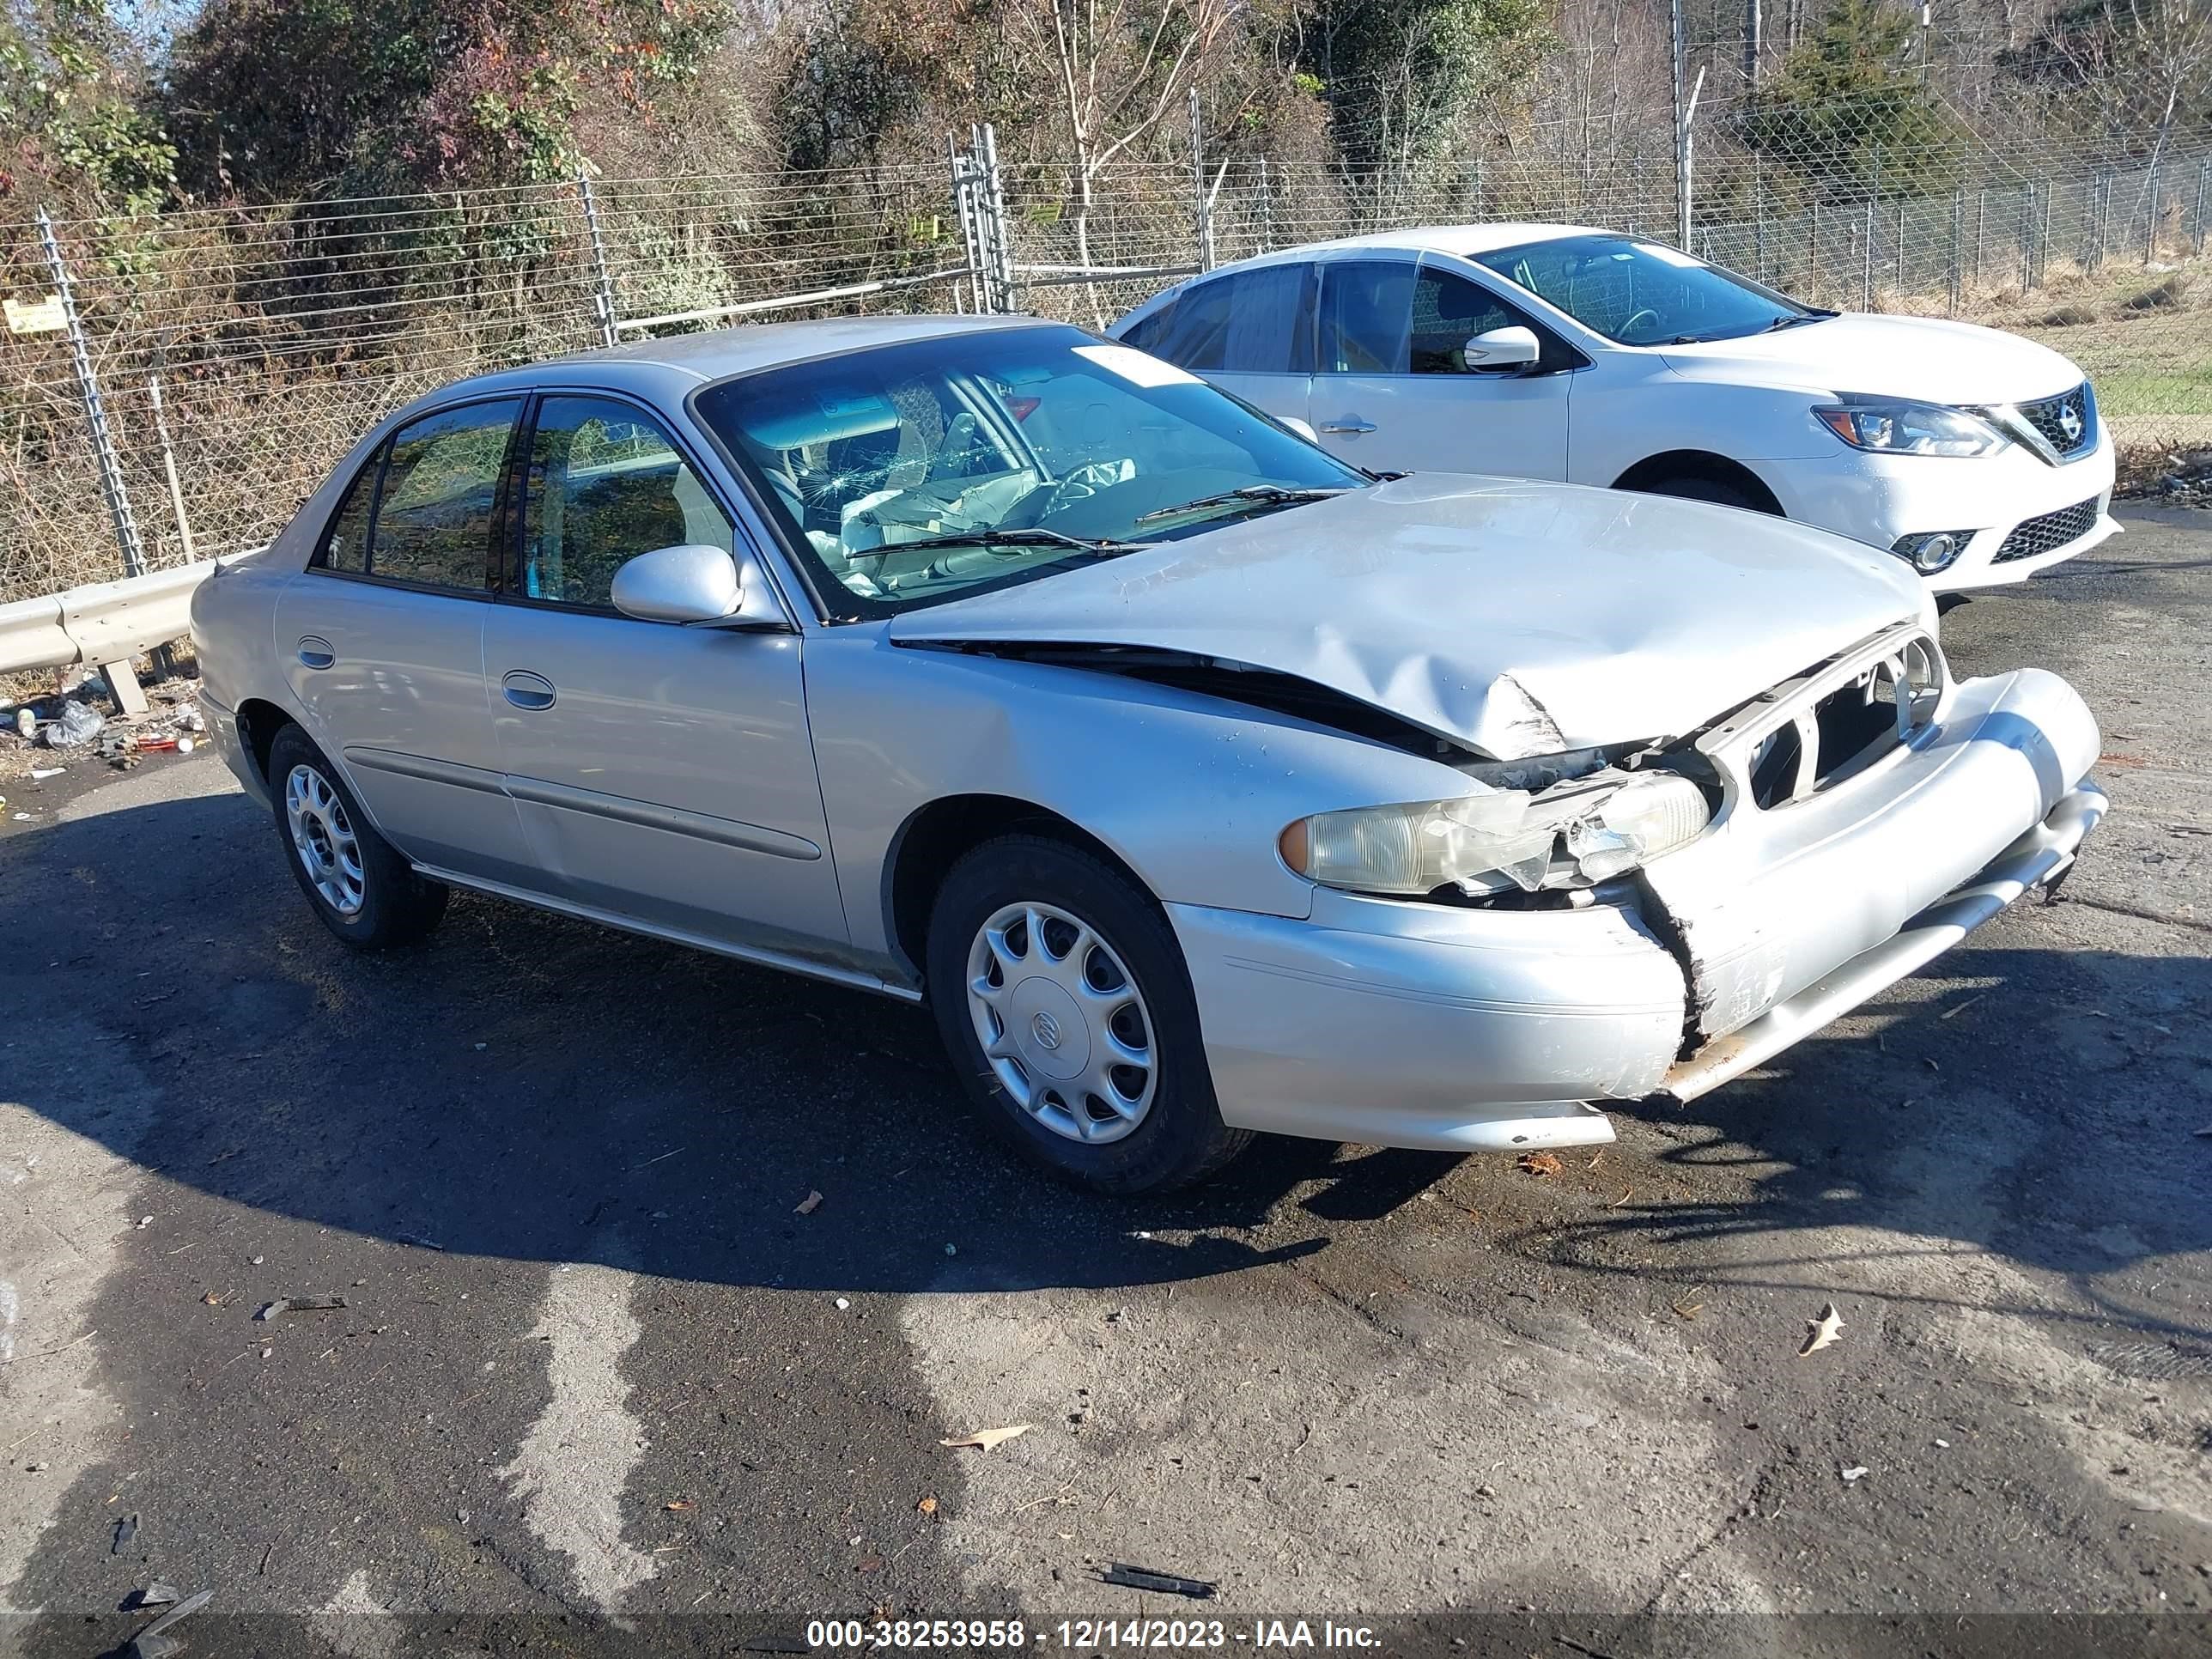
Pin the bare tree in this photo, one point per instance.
(1119, 67)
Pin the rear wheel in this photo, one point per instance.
(1062, 998)
(358, 884)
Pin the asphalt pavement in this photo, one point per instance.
(599, 1384)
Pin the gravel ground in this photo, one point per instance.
(596, 1386)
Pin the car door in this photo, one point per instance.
(663, 773)
(1250, 333)
(381, 639)
(1392, 390)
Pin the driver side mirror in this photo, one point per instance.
(1503, 347)
(697, 583)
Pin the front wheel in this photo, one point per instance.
(365, 892)
(1692, 487)
(1061, 996)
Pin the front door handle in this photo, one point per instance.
(1348, 426)
(315, 651)
(527, 691)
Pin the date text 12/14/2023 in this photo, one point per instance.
(1163, 1635)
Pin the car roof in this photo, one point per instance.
(1464, 241)
(678, 363)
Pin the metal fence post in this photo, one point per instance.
(1866, 265)
(999, 244)
(1201, 204)
(963, 208)
(95, 411)
(122, 682)
(2150, 215)
(169, 467)
(602, 298)
(2027, 238)
(1900, 245)
(2203, 178)
(1957, 248)
(1268, 211)
(1681, 70)
(1812, 255)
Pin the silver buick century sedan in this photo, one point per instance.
(1202, 783)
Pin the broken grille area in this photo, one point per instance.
(2050, 532)
(1848, 729)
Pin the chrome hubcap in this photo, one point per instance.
(324, 841)
(1062, 1023)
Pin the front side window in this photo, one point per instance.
(1638, 293)
(434, 514)
(918, 472)
(605, 484)
(1366, 311)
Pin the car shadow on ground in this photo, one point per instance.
(524, 1087)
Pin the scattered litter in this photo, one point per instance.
(182, 745)
(268, 1353)
(985, 1439)
(1686, 1310)
(26, 722)
(808, 1205)
(1820, 1333)
(953, 1250)
(255, 1260)
(188, 717)
(1167, 1583)
(1852, 1474)
(125, 1530)
(1945, 1445)
(156, 1594)
(1626, 1192)
(145, 1220)
(151, 1643)
(928, 1506)
(843, 1303)
(1952, 1013)
(41, 774)
(300, 1304)
(1542, 1165)
(78, 724)
(679, 1503)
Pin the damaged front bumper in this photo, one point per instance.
(1396, 1023)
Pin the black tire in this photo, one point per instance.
(395, 905)
(1180, 1137)
(1690, 486)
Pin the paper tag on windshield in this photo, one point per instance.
(1134, 366)
(1666, 255)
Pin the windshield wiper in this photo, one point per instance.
(1247, 495)
(1798, 321)
(1030, 536)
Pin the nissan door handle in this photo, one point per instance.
(1348, 426)
(315, 651)
(527, 691)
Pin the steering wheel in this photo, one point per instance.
(1643, 314)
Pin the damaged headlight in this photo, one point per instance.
(1573, 835)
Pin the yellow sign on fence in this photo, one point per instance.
(37, 316)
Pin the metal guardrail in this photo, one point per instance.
(103, 625)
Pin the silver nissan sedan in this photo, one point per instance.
(1203, 784)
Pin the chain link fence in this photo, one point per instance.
(238, 352)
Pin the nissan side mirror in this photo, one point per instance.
(1503, 349)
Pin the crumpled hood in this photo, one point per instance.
(1517, 618)
(1922, 357)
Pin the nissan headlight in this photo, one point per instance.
(1492, 841)
(1899, 427)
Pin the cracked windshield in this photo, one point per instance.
(916, 472)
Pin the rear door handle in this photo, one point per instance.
(1349, 426)
(315, 651)
(527, 691)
